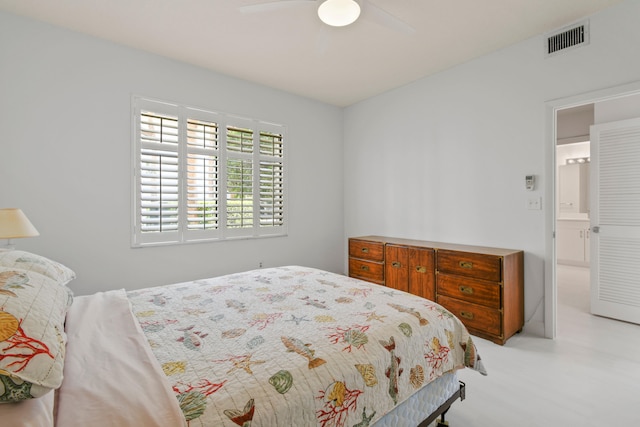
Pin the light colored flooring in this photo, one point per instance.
(588, 376)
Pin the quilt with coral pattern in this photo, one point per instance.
(296, 346)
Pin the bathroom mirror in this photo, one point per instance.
(574, 187)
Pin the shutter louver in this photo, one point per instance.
(239, 140)
(271, 180)
(239, 177)
(239, 193)
(271, 144)
(202, 192)
(158, 129)
(271, 194)
(202, 175)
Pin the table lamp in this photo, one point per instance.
(14, 224)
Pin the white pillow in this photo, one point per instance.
(38, 264)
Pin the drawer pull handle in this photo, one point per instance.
(365, 250)
(396, 264)
(466, 290)
(466, 315)
(421, 269)
(466, 264)
(364, 268)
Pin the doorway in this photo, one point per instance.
(618, 95)
(573, 234)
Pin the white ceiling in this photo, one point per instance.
(290, 49)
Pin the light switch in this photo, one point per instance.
(534, 203)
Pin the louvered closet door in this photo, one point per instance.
(615, 220)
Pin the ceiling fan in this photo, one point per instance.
(338, 13)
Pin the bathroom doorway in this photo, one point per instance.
(573, 233)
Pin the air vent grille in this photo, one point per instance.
(571, 37)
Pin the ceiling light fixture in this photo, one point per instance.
(339, 13)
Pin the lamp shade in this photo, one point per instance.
(14, 224)
(339, 13)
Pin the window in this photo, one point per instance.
(201, 175)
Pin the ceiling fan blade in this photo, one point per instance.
(272, 5)
(383, 17)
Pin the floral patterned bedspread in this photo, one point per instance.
(296, 346)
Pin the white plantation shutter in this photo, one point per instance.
(239, 193)
(271, 180)
(159, 169)
(239, 145)
(239, 140)
(159, 190)
(202, 192)
(202, 175)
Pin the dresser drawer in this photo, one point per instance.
(480, 266)
(471, 290)
(363, 249)
(366, 270)
(474, 316)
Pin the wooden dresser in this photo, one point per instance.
(484, 287)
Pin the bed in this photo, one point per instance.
(269, 347)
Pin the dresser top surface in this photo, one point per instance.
(439, 245)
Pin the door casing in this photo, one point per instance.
(552, 108)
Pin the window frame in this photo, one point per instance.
(184, 235)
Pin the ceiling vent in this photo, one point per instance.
(567, 38)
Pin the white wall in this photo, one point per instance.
(572, 124)
(444, 158)
(627, 107)
(65, 158)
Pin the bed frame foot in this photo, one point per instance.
(442, 410)
(441, 422)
